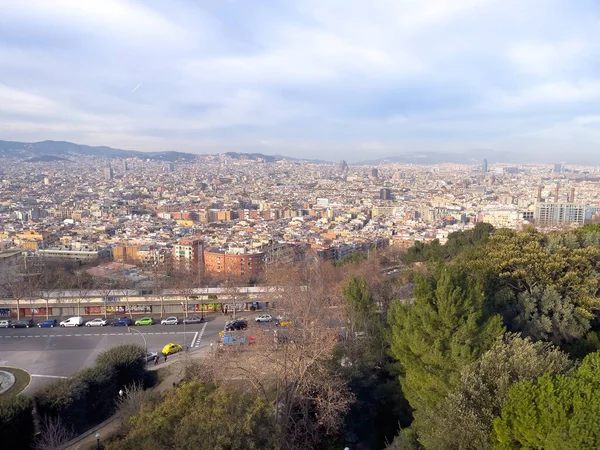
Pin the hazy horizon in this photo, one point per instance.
(311, 79)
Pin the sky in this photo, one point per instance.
(328, 79)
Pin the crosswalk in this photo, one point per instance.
(197, 339)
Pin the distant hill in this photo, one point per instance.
(271, 158)
(468, 157)
(44, 151)
(64, 149)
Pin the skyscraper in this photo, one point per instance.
(108, 173)
(125, 165)
(557, 168)
(484, 167)
(171, 167)
(374, 172)
(385, 194)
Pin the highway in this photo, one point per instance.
(49, 353)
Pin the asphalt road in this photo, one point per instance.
(49, 353)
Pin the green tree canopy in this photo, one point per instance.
(523, 260)
(545, 315)
(554, 412)
(440, 333)
(196, 417)
(464, 420)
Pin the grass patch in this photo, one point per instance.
(22, 379)
(161, 374)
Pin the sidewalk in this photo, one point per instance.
(176, 365)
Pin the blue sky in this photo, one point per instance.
(310, 78)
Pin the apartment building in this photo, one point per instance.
(557, 214)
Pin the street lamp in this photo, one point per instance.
(184, 321)
(97, 440)
(143, 337)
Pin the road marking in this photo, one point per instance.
(48, 376)
(201, 334)
(194, 340)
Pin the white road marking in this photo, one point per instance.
(194, 340)
(48, 376)
(201, 334)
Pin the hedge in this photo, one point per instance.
(89, 397)
(16, 423)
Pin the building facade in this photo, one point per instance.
(218, 261)
(558, 214)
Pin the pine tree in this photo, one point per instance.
(440, 333)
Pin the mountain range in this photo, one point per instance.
(46, 151)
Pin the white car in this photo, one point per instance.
(72, 322)
(264, 318)
(170, 321)
(99, 322)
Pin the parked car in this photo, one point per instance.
(5, 323)
(72, 322)
(264, 318)
(236, 325)
(150, 355)
(170, 321)
(193, 319)
(99, 322)
(145, 321)
(171, 348)
(50, 323)
(124, 322)
(25, 323)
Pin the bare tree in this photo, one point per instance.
(293, 367)
(54, 434)
(130, 403)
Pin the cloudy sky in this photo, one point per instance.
(311, 78)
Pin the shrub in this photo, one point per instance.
(128, 362)
(102, 391)
(65, 399)
(16, 423)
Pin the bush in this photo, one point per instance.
(91, 395)
(128, 362)
(65, 399)
(16, 423)
(102, 391)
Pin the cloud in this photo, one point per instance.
(315, 78)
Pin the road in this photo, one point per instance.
(49, 353)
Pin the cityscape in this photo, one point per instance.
(299, 225)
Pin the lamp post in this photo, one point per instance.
(143, 337)
(97, 440)
(184, 321)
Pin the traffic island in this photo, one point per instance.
(13, 381)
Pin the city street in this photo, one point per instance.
(48, 353)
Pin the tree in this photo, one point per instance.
(16, 422)
(464, 419)
(522, 260)
(553, 412)
(53, 434)
(359, 304)
(544, 315)
(440, 333)
(198, 416)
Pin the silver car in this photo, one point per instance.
(170, 321)
(99, 322)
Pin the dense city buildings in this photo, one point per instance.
(238, 215)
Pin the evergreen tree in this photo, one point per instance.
(440, 333)
(464, 420)
(553, 412)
